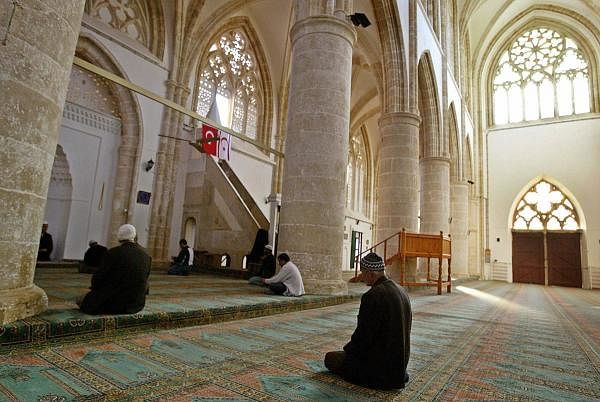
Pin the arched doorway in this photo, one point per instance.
(546, 238)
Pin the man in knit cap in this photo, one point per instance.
(120, 286)
(378, 352)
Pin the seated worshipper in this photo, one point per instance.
(379, 349)
(46, 245)
(120, 286)
(254, 259)
(182, 264)
(288, 281)
(267, 267)
(93, 258)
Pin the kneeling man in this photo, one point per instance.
(378, 352)
(120, 286)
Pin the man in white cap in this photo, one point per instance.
(378, 352)
(120, 286)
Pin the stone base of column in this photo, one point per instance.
(326, 287)
(19, 303)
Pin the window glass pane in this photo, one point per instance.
(239, 107)
(581, 88)
(515, 105)
(570, 224)
(251, 119)
(224, 108)
(500, 111)
(563, 95)
(520, 224)
(553, 224)
(531, 102)
(547, 98)
(536, 224)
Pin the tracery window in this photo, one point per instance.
(545, 207)
(129, 16)
(542, 74)
(357, 188)
(229, 83)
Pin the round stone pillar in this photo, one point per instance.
(435, 195)
(398, 183)
(316, 151)
(459, 212)
(35, 63)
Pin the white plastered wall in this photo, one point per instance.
(142, 68)
(567, 153)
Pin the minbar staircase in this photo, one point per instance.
(403, 245)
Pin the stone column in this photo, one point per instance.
(459, 207)
(35, 63)
(316, 150)
(398, 181)
(435, 202)
(435, 195)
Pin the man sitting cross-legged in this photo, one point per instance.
(288, 281)
(378, 352)
(120, 286)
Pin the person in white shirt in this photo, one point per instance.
(287, 281)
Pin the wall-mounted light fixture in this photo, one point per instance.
(359, 19)
(470, 182)
(149, 165)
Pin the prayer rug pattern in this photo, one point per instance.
(487, 340)
(174, 301)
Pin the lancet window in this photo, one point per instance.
(541, 74)
(357, 180)
(229, 84)
(545, 207)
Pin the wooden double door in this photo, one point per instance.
(547, 258)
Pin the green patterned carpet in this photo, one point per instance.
(487, 340)
(174, 301)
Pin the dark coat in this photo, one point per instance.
(45, 244)
(183, 258)
(378, 352)
(94, 256)
(119, 287)
(267, 269)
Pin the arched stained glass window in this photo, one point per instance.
(544, 206)
(541, 74)
(229, 84)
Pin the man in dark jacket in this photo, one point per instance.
(267, 267)
(93, 258)
(182, 264)
(46, 245)
(120, 286)
(378, 352)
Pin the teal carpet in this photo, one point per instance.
(485, 341)
(174, 301)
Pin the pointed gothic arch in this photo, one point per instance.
(456, 164)
(395, 88)
(430, 140)
(131, 133)
(264, 107)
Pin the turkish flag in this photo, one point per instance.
(210, 141)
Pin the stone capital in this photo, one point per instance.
(323, 24)
(399, 118)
